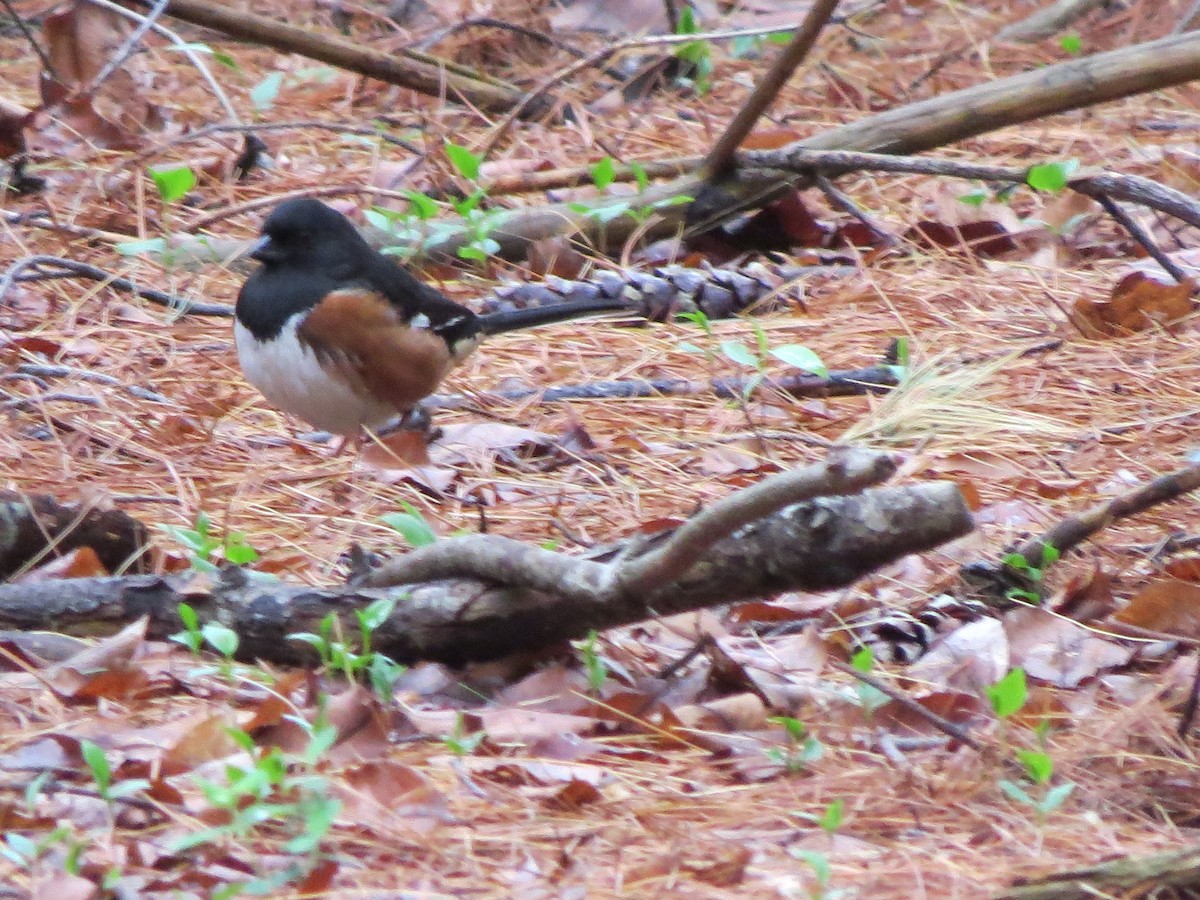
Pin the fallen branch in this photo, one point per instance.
(1129, 876)
(817, 544)
(417, 71)
(1075, 530)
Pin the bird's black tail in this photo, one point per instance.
(533, 316)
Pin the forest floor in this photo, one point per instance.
(586, 773)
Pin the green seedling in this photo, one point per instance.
(1051, 177)
(411, 525)
(191, 636)
(697, 54)
(1018, 563)
(276, 792)
(460, 742)
(1009, 694)
(801, 749)
(205, 545)
(593, 663)
(97, 763)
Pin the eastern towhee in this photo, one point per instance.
(342, 336)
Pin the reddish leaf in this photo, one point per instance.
(1138, 302)
(1169, 605)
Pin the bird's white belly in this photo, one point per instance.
(290, 376)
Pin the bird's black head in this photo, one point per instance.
(307, 234)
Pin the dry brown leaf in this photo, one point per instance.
(1184, 568)
(13, 120)
(63, 886)
(969, 658)
(1058, 651)
(574, 795)
(80, 40)
(382, 794)
(82, 562)
(954, 706)
(1138, 302)
(1168, 605)
(105, 670)
(206, 740)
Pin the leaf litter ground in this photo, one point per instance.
(649, 785)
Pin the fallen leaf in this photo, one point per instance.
(381, 794)
(1138, 302)
(208, 739)
(969, 658)
(1056, 650)
(1168, 605)
(104, 670)
(13, 119)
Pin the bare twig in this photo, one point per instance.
(768, 87)
(33, 42)
(69, 268)
(942, 724)
(596, 59)
(845, 471)
(843, 202)
(1076, 529)
(1047, 21)
(514, 563)
(126, 49)
(1140, 234)
(407, 69)
(183, 47)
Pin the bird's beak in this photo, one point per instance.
(265, 251)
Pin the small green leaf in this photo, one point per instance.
(1031, 597)
(1015, 561)
(740, 354)
(187, 615)
(1014, 791)
(800, 357)
(237, 551)
(411, 525)
(1050, 555)
(1071, 43)
(263, 94)
(221, 638)
(604, 172)
(793, 726)
(608, 213)
(19, 849)
(1055, 797)
(864, 660)
(831, 819)
(639, 174)
(1038, 765)
(423, 206)
(97, 762)
(975, 198)
(465, 162)
(134, 248)
(1051, 177)
(816, 861)
(1008, 694)
(686, 23)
